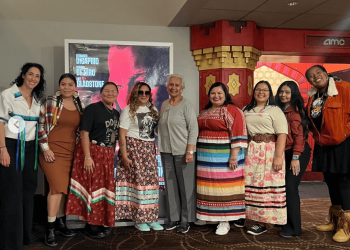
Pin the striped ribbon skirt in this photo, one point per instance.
(265, 191)
(137, 190)
(220, 190)
(92, 196)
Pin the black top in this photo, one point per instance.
(318, 119)
(101, 123)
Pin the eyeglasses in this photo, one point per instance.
(262, 90)
(107, 91)
(146, 93)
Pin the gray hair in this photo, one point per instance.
(178, 76)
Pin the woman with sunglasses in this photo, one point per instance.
(297, 152)
(265, 192)
(92, 186)
(137, 186)
(177, 137)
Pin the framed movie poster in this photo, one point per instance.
(95, 62)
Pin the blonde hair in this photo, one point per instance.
(134, 104)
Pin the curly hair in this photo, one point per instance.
(133, 101)
(40, 88)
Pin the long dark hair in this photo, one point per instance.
(40, 88)
(271, 100)
(68, 75)
(296, 102)
(77, 99)
(228, 99)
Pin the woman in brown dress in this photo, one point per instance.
(58, 124)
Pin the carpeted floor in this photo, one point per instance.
(314, 212)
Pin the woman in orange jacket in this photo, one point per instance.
(329, 112)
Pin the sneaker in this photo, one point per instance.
(155, 226)
(184, 228)
(239, 223)
(256, 230)
(223, 228)
(93, 231)
(143, 227)
(171, 225)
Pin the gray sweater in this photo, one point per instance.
(177, 127)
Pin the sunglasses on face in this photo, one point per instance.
(146, 93)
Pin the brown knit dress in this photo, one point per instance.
(62, 143)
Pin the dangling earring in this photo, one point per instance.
(267, 103)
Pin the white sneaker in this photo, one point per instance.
(223, 228)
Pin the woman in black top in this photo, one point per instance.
(92, 185)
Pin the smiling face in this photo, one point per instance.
(318, 78)
(32, 78)
(144, 94)
(67, 87)
(261, 94)
(174, 87)
(285, 95)
(109, 94)
(217, 96)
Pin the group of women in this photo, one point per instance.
(249, 162)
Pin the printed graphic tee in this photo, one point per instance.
(142, 126)
(101, 123)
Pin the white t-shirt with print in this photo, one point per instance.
(142, 126)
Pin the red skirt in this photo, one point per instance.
(92, 196)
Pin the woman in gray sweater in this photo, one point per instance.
(177, 136)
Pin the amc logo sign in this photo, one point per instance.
(334, 42)
(326, 41)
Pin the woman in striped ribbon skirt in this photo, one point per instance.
(220, 172)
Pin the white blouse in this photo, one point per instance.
(12, 103)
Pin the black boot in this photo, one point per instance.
(94, 231)
(50, 239)
(105, 230)
(61, 227)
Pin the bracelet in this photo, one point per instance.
(87, 158)
(232, 159)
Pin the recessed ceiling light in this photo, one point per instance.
(292, 3)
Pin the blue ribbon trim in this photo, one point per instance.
(21, 140)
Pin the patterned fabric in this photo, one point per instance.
(49, 115)
(92, 196)
(220, 191)
(265, 192)
(137, 190)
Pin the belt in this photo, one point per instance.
(262, 138)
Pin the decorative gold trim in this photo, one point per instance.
(250, 85)
(230, 57)
(209, 80)
(233, 84)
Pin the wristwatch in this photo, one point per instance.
(295, 157)
(190, 152)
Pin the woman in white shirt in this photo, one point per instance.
(19, 114)
(137, 186)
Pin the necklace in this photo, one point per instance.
(260, 110)
(108, 110)
(317, 106)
